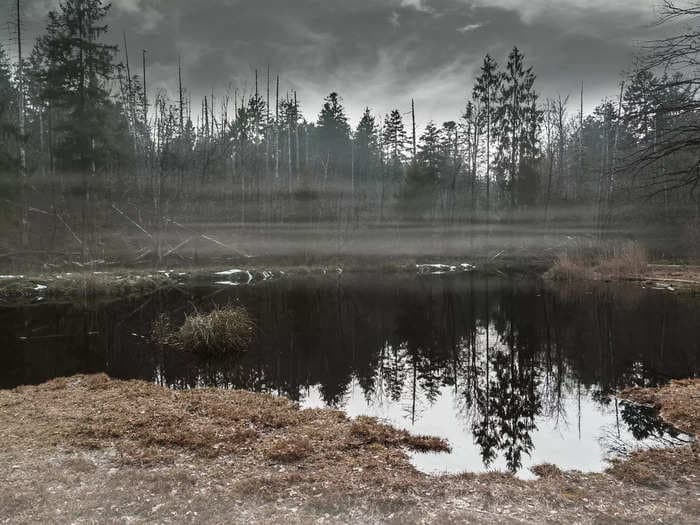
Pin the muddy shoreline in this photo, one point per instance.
(115, 282)
(93, 448)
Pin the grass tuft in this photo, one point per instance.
(547, 470)
(223, 330)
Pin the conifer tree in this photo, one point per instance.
(519, 121)
(486, 91)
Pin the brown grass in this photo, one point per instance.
(367, 430)
(628, 259)
(89, 411)
(656, 466)
(289, 449)
(223, 330)
(87, 448)
(547, 470)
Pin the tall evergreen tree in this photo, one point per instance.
(74, 69)
(519, 120)
(366, 147)
(486, 92)
(395, 139)
(333, 132)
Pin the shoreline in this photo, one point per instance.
(89, 447)
(115, 282)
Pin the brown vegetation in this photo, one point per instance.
(627, 260)
(223, 330)
(91, 448)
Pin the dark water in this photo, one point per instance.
(513, 373)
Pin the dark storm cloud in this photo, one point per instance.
(376, 52)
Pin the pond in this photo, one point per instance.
(512, 372)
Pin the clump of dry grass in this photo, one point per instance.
(614, 260)
(223, 330)
(367, 430)
(547, 470)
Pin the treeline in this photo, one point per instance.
(85, 144)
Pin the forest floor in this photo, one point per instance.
(89, 448)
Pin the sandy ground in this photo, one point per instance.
(92, 449)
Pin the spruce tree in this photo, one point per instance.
(75, 68)
(486, 90)
(366, 147)
(333, 132)
(519, 119)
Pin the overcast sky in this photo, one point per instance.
(376, 53)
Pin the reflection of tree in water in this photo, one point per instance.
(510, 350)
(644, 424)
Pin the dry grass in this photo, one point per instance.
(629, 259)
(223, 330)
(547, 470)
(624, 260)
(87, 448)
(569, 266)
(289, 449)
(367, 430)
(656, 466)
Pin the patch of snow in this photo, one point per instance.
(439, 269)
(11, 276)
(40, 287)
(227, 283)
(230, 272)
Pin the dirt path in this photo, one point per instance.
(87, 448)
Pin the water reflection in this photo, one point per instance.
(512, 369)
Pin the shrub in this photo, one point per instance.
(629, 259)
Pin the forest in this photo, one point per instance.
(88, 149)
(420, 261)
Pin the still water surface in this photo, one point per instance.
(513, 373)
